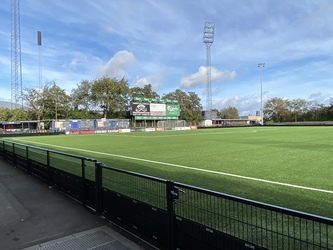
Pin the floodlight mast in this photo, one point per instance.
(16, 69)
(39, 43)
(261, 65)
(208, 39)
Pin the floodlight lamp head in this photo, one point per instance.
(261, 65)
(208, 35)
(39, 38)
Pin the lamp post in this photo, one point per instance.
(261, 65)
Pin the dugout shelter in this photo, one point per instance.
(17, 127)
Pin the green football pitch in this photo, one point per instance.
(290, 167)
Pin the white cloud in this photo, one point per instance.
(199, 78)
(116, 66)
(245, 105)
(153, 80)
(82, 62)
(321, 98)
(142, 82)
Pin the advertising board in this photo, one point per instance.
(173, 110)
(154, 109)
(140, 108)
(157, 109)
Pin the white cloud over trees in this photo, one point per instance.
(199, 77)
(116, 66)
(154, 80)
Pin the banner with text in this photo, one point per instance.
(155, 111)
(172, 110)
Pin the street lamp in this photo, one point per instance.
(261, 65)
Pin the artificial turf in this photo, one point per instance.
(285, 166)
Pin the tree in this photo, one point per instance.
(316, 112)
(50, 102)
(189, 104)
(5, 114)
(36, 103)
(145, 91)
(36, 100)
(329, 110)
(276, 109)
(298, 107)
(82, 103)
(81, 96)
(111, 95)
(229, 113)
(19, 114)
(58, 103)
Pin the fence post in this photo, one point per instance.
(4, 151)
(14, 156)
(84, 195)
(48, 168)
(172, 194)
(99, 185)
(28, 161)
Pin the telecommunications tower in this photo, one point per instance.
(208, 39)
(16, 70)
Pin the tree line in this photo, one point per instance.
(285, 110)
(297, 110)
(110, 98)
(100, 98)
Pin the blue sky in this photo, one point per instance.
(161, 42)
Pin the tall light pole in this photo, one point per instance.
(208, 39)
(39, 43)
(261, 65)
(16, 66)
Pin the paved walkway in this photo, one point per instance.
(34, 216)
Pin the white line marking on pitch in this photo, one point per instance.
(190, 168)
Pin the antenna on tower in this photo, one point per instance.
(16, 69)
(208, 39)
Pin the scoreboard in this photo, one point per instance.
(154, 109)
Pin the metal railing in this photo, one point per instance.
(171, 215)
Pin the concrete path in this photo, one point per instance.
(34, 216)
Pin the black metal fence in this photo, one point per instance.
(171, 215)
